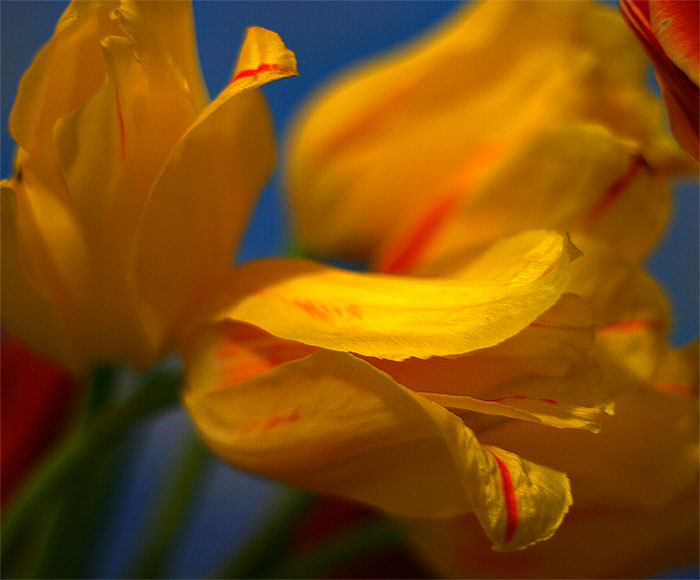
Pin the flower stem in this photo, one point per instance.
(80, 448)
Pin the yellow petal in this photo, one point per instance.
(118, 141)
(25, 309)
(172, 24)
(500, 293)
(54, 251)
(645, 454)
(334, 424)
(631, 314)
(199, 204)
(580, 179)
(541, 374)
(57, 83)
(426, 122)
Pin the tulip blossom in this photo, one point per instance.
(130, 190)
(468, 133)
(129, 195)
(668, 32)
(416, 168)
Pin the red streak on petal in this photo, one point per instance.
(273, 421)
(614, 190)
(407, 256)
(281, 419)
(251, 72)
(521, 398)
(122, 131)
(634, 325)
(676, 389)
(509, 497)
(313, 309)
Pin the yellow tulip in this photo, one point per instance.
(336, 386)
(128, 197)
(514, 115)
(130, 189)
(466, 134)
(405, 434)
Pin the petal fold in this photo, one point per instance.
(334, 424)
(395, 318)
(57, 83)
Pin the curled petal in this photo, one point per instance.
(645, 541)
(395, 318)
(200, 203)
(334, 424)
(541, 374)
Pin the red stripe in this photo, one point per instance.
(510, 498)
(633, 325)
(407, 255)
(614, 190)
(676, 389)
(522, 397)
(251, 72)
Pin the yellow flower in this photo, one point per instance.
(366, 417)
(476, 130)
(514, 115)
(130, 189)
(128, 198)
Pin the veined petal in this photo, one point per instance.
(631, 315)
(541, 374)
(410, 125)
(334, 424)
(546, 400)
(200, 203)
(645, 454)
(499, 294)
(57, 83)
(614, 197)
(118, 141)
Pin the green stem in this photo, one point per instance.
(172, 506)
(265, 551)
(69, 535)
(349, 544)
(80, 448)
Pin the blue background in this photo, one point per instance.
(326, 37)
